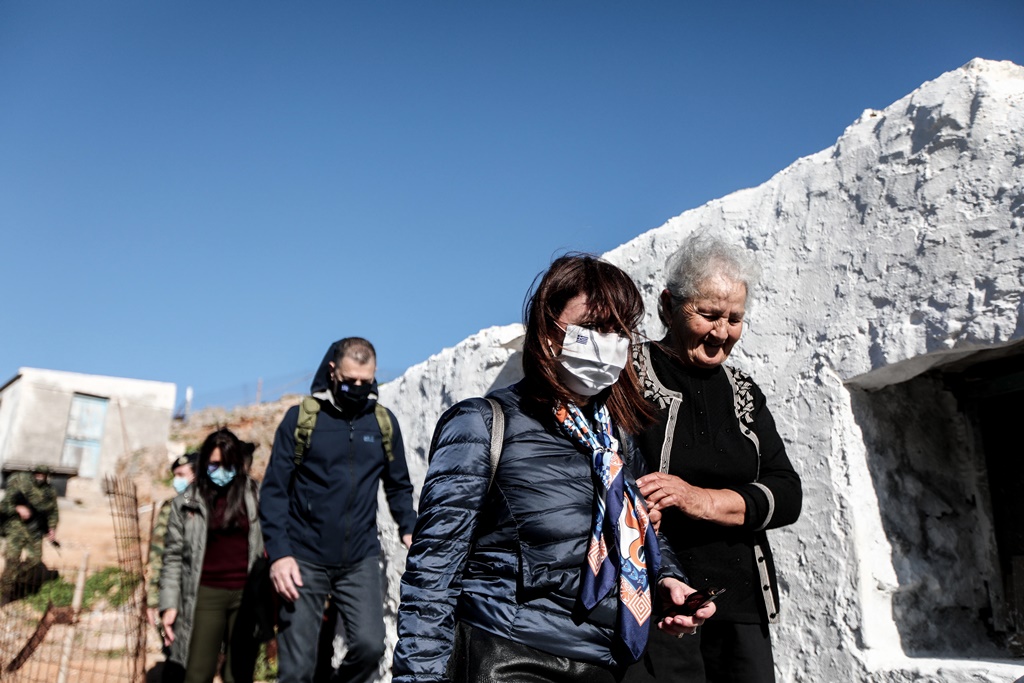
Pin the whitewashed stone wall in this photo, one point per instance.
(895, 250)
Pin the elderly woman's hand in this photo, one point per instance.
(673, 594)
(720, 506)
(665, 490)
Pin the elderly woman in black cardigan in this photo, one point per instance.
(719, 470)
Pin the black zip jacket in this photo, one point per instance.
(325, 512)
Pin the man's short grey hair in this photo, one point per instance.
(356, 348)
(703, 257)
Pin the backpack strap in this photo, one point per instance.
(308, 410)
(497, 436)
(387, 431)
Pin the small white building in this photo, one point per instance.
(80, 425)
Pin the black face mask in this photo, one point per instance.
(349, 395)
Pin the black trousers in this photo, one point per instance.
(480, 656)
(721, 652)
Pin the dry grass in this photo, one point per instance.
(40, 639)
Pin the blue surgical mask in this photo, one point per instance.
(180, 484)
(220, 476)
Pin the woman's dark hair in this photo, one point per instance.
(234, 454)
(613, 305)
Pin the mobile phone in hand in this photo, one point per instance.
(694, 601)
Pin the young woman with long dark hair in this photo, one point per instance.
(552, 571)
(213, 539)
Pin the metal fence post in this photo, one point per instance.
(69, 636)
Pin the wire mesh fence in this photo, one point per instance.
(79, 623)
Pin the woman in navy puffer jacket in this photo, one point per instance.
(547, 573)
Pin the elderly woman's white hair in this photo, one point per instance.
(701, 258)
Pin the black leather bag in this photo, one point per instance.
(259, 601)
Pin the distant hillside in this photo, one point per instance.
(255, 423)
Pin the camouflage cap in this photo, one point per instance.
(189, 459)
(40, 468)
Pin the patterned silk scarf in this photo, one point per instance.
(623, 546)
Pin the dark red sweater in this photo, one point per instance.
(226, 562)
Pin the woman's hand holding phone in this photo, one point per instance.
(674, 595)
(696, 600)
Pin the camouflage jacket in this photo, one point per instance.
(157, 540)
(22, 489)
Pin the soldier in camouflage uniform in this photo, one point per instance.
(183, 469)
(29, 512)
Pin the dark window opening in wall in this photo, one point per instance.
(948, 475)
(84, 434)
(991, 395)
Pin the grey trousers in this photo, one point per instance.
(357, 592)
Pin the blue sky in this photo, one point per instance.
(208, 193)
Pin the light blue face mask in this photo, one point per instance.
(220, 476)
(180, 484)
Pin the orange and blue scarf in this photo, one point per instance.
(623, 546)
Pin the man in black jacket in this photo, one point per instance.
(318, 508)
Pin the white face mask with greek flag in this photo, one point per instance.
(591, 361)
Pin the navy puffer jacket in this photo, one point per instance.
(520, 579)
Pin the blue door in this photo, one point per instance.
(84, 434)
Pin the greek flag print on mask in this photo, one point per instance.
(623, 548)
(591, 361)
